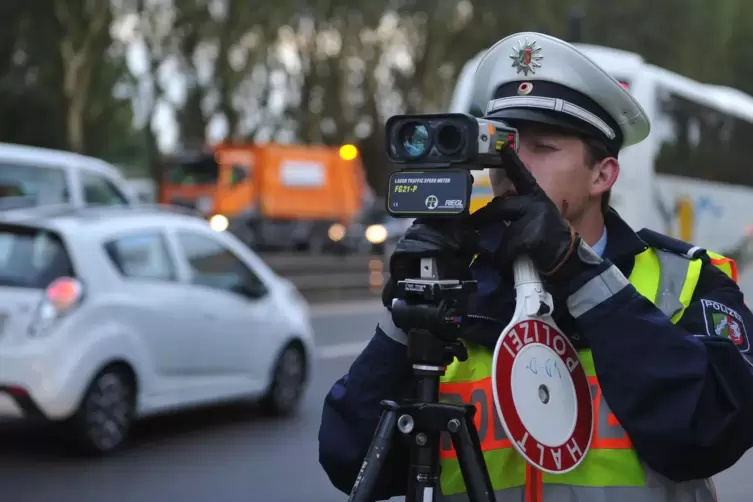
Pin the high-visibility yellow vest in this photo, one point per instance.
(611, 470)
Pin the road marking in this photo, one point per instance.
(346, 308)
(342, 350)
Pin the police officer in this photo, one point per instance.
(660, 325)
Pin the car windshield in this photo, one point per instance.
(31, 257)
(32, 185)
(193, 170)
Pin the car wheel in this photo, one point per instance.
(103, 421)
(288, 382)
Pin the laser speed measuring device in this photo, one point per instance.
(437, 153)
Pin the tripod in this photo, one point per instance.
(430, 311)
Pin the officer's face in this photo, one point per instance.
(561, 165)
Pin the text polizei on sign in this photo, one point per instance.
(541, 391)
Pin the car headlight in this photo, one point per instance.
(218, 223)
(336, 232)
(376, 234)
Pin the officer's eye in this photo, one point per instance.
(545, 147)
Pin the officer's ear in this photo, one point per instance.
(604, 167)
(604, 175)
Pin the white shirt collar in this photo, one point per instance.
(601, 246)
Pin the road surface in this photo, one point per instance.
(220, 455)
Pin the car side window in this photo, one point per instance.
(142, 256)
(99, 191)
(21, 183)
(215, 266)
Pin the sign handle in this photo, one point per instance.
(532, 300)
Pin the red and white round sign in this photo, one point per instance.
(542, 396)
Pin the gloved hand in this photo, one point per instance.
(536, 228)
(450, 241)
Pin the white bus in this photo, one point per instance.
(692, 178)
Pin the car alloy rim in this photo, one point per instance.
(288, 378)
(108, 411)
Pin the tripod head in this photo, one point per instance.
(431, 311)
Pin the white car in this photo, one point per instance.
(32, 176)
(108, 315)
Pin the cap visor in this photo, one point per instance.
(558, 120)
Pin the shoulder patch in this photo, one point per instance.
(725, 322)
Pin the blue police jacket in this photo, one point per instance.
(686, 395)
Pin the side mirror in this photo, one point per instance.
(251, 288)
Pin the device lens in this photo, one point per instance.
(449, 139)
(415, 139)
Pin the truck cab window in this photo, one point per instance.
(193, 170)
(99, 191)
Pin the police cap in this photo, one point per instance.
(535, 77)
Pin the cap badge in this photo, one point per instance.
(526, 56)
(525, 88)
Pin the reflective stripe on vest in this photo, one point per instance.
(728, 265)
(611, 470)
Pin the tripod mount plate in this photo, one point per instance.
(542, 395)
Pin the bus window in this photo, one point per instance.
(701, 142)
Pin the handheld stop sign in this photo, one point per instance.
(540, 388)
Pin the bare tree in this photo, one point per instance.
(83, 49)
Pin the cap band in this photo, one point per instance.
(552, 104)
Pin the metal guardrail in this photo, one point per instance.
(323, 278)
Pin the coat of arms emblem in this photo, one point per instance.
(526, 56)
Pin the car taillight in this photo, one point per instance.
(62, 296)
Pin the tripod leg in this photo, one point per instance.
(363, 488)
(424, 472)
(424, 466)
(471, 459)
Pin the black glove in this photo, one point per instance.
(450, 241)
(536, 228)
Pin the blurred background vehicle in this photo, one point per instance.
(273, 197)
(369, 232)
(31, 176)
(109, 315)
